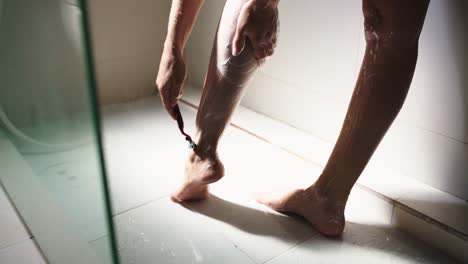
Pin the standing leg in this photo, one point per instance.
(225, 83)
(392, 32)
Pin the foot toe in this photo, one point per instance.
(272, 200)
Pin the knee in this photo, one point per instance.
(388, 31)
(237, 68)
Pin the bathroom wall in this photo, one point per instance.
(310, 79)
(39, 40)
(127, 42)
(128, 38)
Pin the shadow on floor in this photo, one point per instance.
(240, 217)
(356, 237)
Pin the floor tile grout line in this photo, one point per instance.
(375, 193)
(140, 205)
(31, 240)
(433, 222)
(96, 239)
(13, 207)
(292, 247)
(14, 244)
(437, 133)
(187, 205)
(241, 250)
(397, 204)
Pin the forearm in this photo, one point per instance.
(181, 20)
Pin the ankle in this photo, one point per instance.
(201, 156)
(204, 167)
(205, 148)
(334, 198)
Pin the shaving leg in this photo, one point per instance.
(224, 87)
(392, 32)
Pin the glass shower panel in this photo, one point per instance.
(50, 154)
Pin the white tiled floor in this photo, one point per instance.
(25, 252)
(362, 243)
(16, 246)
(145, 156)
(163, 232)
(449, 243)
(12, 230)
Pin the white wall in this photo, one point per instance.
(309, 81)
(42, 71)
(128, 37)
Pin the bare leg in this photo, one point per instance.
(224, 86)
(392, 32)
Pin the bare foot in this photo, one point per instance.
(325, 215)
(199, 172)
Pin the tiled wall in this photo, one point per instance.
(128, 38)
(40, 40)
(309, 81)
